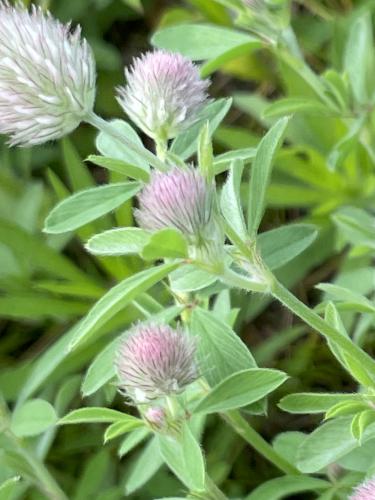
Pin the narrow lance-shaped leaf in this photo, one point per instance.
(86, 206)
(117, 298)
(230, 200)
(241, 389)
(200, 41)
(261, 173)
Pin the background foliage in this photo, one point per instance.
(324, 175)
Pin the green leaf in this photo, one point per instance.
(345, 409)
(282, 487)
(283, 244)
(120, 167)
(33, 418)
(144, 466)
(190, 278)
(184, 457)
(205, 153)
(166, 243)
(117, 298)
(101, 370)
(230, 200)
(112, 148)
(360, 423)
(356, 225)
(359, 59)
(186, 143)
(306, 402)
(261, 173)
(78, 173)
(219, 344)
(88, 205)
(39, 255)
(353, 299)
(222, 162)
(328, 443)
(241, 389)
(8, 488)
(93, 415)
(94, 474)
(120, 241)
(116, 429)
(132, 440)
(290, 105)
(201, 41)
(357, 370)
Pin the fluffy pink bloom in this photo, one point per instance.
(163, 93)
(365, 491)
(180, 199)
(47, 76)
(155, 361)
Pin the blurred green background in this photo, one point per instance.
(48, 282)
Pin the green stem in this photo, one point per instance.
(161, 149)
(310, 317)
(106, 127)
(255, 440)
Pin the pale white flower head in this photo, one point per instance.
(163, 93)
(47, 76)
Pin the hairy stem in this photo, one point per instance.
(255, 440)
(313, 319)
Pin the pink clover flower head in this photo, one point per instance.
(181, 199)
(156, 361)
(163, 93)
(365, 491)
(47, 76)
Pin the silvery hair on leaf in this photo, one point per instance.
(163, 93)
(47, 76)
(155, 361)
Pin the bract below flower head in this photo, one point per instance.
(365, 491)
(47, 76)
(180, 199)
(155, 361)
(163, 93)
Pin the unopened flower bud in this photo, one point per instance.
(47, 76)
(365, 491)
(156, 361)
(155, 416)
(180, 199)
(163, 93)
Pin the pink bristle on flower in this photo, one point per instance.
(179, 198)
(47, 76)
(163, 93)
(155, 361)
(365, 491)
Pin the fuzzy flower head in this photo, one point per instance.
(365, 491)
(47, 76)
(163, 93)
(156, 361)
(180, 199)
